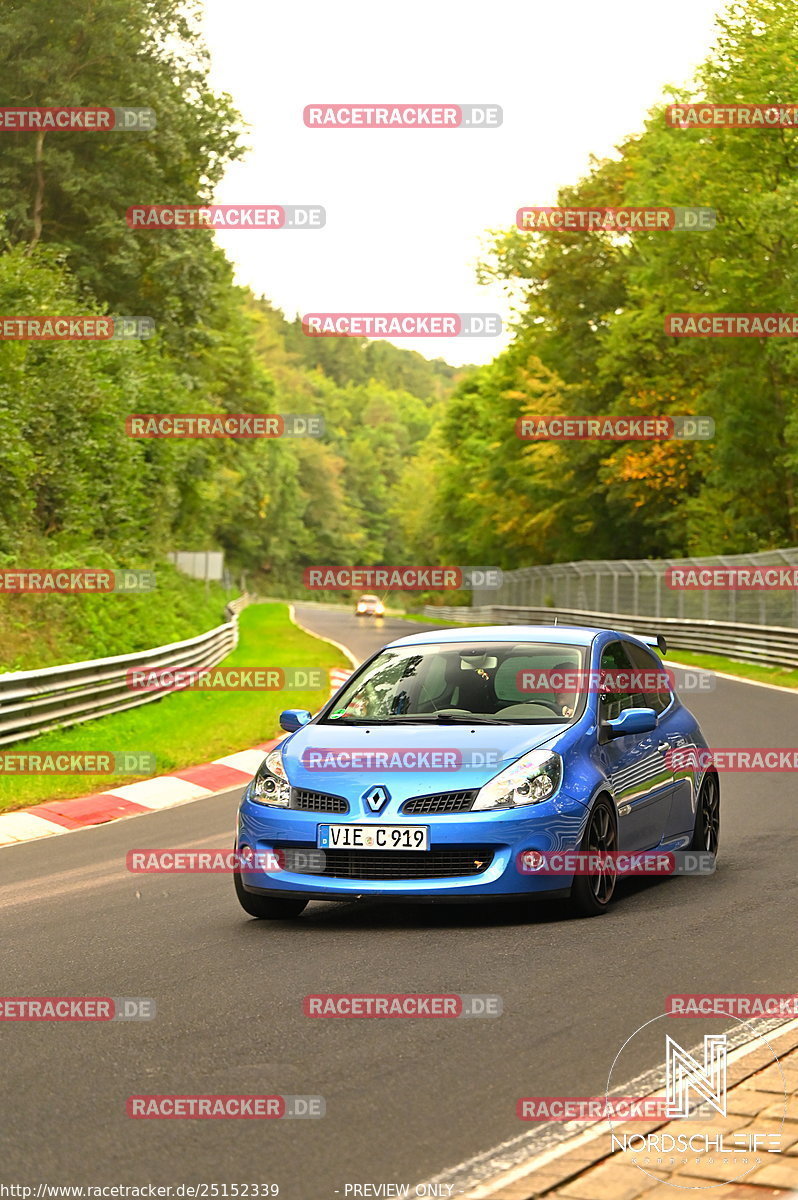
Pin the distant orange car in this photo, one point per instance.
(370, 606)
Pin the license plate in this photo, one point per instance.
(373, 837)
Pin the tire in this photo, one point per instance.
(591, 894)
(706, 833)
(267, 908)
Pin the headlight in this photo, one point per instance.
(270, 785)
(530, 780)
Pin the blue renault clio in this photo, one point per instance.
(453, 765)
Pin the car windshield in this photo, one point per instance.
(527, 682)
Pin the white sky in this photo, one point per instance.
(407, 210)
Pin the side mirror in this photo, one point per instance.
(631, 720)
(294, 718)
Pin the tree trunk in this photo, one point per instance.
(38, 196)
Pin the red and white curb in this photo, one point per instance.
(147, 795)
(338, 677)
(150, 795)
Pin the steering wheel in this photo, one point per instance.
(552, 704)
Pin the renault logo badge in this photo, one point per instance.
(376, 798)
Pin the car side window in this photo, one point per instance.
(658, 696)
(614, 658)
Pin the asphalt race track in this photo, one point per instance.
(405, 1099)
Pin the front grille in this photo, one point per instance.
(317, 801)
(407, 864)
(441, 802)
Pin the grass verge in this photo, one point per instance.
(780, 676)
(188, 727)
(45, 630)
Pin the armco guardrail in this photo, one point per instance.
(776, 645)
(34, 702)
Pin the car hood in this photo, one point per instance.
(481, 752)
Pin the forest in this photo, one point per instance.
(420, 461)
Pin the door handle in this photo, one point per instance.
(663, 747)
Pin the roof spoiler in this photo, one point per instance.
(658, 641)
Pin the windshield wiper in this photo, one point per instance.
(442, 717)
(422, 718)
(470, 719)
(357, 721)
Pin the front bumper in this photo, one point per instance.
(500, 837)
